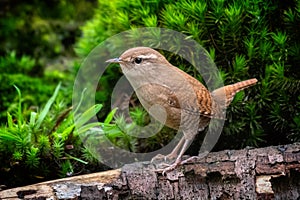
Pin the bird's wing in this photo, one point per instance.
(204, 101)
(197, 103)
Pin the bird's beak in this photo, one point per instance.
(114, 60)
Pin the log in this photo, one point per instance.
(262, 173)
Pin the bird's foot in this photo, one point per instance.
(169, 167)
(162, 159)
(178, 162)
(189, 160)
(194, 158)
(165, 163)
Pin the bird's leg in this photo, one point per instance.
(171, 156)
(190, 127)
(177, 162)
(174, 153)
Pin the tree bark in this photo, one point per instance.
(263, 173)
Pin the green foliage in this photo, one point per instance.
(139, 115)
(245, 38)
(32, 28)
(32, 36)
(36, 85)
(126, 135)
(45, 145)
(89, 154)
(13, 65)
(117, 132)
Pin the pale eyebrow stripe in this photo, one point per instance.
(148, 56)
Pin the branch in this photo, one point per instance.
(264, 173)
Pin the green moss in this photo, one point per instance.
(44, 144)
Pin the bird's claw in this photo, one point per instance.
(190, 159)
(194, 158)
(169, 168)
(166, 159)
(178, 163)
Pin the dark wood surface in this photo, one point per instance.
(263, 173)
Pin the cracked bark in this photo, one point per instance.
(264, 173)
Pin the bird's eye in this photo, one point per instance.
(138, 60)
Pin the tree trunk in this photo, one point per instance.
(264, 173)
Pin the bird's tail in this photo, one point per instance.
(229, 91)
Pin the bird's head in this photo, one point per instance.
(139, 59)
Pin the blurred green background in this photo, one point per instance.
(43, 43)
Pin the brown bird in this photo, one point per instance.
(173, 97)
